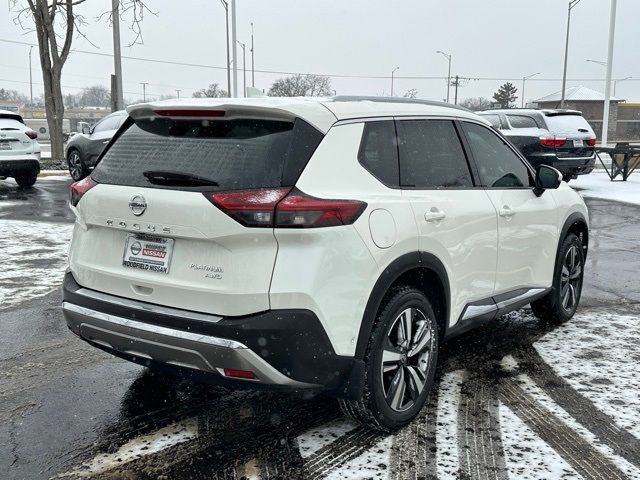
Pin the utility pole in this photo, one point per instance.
(615, 83)
(117, 57)
(244, 67)
(30, 79)
(178, 92)
(524, 79)
(448, 57)
(144, 90)
(572, 4)
(225, 5)
(456, 83)
(392, 72)
(253, 66)
(235, 47)
(607, 88)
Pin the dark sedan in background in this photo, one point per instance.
(83, 149)
(559, 138)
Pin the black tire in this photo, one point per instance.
(560, 304)
(27, 179)
(373, 409)
(77, 168)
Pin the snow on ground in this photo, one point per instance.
(597, 353)
(527, 456)
(313, 440)
(598, 185)
(33, 257)
(447, 430)
(372, 464)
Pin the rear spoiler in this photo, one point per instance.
(558, 113)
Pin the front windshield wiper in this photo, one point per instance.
(165, 177)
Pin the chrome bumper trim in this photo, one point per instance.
(167, 345)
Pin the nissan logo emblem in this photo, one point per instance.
(138, 205)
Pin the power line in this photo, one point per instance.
(332, 75)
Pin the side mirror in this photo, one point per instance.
(86, 130)
(547, 178)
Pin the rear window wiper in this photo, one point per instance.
(165, 177)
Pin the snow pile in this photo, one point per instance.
(33, 256)
(598, 185)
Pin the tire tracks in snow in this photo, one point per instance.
(621, 442)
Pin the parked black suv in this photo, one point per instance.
(83, 149)
(560, 138)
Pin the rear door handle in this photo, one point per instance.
(506, 212)
(434, 215)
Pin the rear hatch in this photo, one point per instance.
(14, 140)
(148, 228)
(578, 136)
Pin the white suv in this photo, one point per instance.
(315, 243)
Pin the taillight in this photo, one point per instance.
(285, 208)
(245, 374)
(299, 210)
(591, 142)
(78, 189)
(31, 134)
(252, 208)
(552, 142)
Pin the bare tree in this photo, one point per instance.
(411, 93)
(56, 22)
(301, 86)
(95, 96)
(213, 91)
(476, 104)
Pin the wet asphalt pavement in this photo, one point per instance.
(69, 409)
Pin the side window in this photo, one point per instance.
(494, 120)
(522, 121)
(379, 152)
(498, 165)
(107, 123)
(431, 155)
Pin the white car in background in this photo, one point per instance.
(315, 243)
(19, 150)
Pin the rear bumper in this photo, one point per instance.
(285, 348)
(10, 166)
(566, 166)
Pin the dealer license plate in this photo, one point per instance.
(148, 253)
(5, 146)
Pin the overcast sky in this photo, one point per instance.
(497, 39)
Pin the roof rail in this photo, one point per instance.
(365, 98)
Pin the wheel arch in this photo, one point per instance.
(421, 270)
(576, 224)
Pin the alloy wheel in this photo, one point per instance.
(406, 358)
(570, 279)
(75, 165)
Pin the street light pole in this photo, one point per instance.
(572, 4)
(253, 67)
(144, 90)
(392, 72)
(607, 88)
(30, 79)
(117, 57)
(234, 47)
(225, 5)
(244, 66)
(448, 57)
(524, 79)
(615, 83)
(178, 92)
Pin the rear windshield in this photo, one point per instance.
(568, 124)
(10, 124)
(236, 154)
